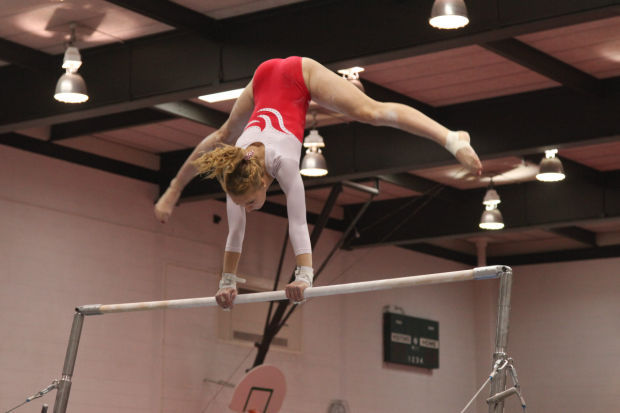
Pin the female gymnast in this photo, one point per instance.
(262, 140)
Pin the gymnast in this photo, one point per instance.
(262, 140)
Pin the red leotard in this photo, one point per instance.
(280, 92)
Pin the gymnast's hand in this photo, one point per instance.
(295, 291)
(225, 297)
(165, 204)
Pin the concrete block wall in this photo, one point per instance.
(71, 235)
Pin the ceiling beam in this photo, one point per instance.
(611, 251)
(27, 58)
(577, 234)
(421, 185)
(165, 111)
(546, 65)
(174, 15)
(136, 73)
(441, 252)
(105, 123)
(583, 197)
(76, 156)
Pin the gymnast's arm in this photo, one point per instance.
(228, 133)
(236, 230)
(290, 181)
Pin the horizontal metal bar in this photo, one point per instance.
(358, 287)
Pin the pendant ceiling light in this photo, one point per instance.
(550, 169)
(314, 163)
(491, 197)
(352, 74)
(449, 14)
(491, 219)
(71, 87)
(491, 216)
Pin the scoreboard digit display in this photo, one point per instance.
(410, 340)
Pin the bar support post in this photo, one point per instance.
(498, 384)
(64, 386)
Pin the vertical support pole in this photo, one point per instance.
(498, 384)
(64, 386)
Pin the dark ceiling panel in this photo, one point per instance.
(79, 157)
(518, 11)
(26, 57)
(173, 63)
(551, 117)
(178, 66)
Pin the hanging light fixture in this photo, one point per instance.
(449, 14)
(313, 163)
(550, 169)
(352, 74)
(491, 197)
(491, 216)
(71, 87)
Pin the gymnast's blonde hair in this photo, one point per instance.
(236, 172)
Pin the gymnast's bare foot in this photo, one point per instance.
(165, 204)
(467, 156)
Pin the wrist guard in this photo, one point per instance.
(230, 280)
(305, 274)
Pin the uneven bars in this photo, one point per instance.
(478, 273)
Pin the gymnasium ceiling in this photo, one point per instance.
(521, 78)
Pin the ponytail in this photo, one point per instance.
(235, 173)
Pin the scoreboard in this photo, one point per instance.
(410, 340)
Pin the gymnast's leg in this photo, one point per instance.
(335, 93)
